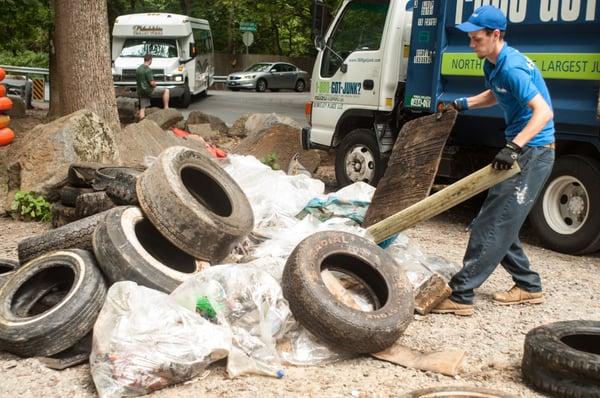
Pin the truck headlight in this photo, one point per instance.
(178, 78)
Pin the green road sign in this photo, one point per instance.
(248, 26)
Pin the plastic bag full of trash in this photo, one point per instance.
(144, 341)
(250, 302)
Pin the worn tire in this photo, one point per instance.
(88, 204)
(108, 174)
(82, 175)
(30, 329)
(457, 391)
(122, 190)
(69, 194)
(62, 215)
(321, 313)
(195, 204)
(563, 359)
(75, 235)
(7, 268)
(129, 248)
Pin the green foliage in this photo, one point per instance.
(25, 58)
(24, 25)
(271, 161)
(30, 206)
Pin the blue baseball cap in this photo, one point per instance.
(489, 17)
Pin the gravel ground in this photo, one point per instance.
(492, 338)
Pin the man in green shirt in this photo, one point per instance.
(146, 86)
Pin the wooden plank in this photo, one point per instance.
(440, 201)
(412, 166)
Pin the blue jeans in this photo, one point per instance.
(495, 231)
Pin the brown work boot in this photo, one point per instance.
(450, 307)
(516, 295)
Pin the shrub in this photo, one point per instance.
(29, 206)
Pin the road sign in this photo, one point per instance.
(248, 38)
(248, 26)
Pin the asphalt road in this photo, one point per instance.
(229, 105)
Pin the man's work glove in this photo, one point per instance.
(461, 104)
(505, 159)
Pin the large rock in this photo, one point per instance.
(203, 130)
(39, 159)
(19, 108)
(282, 140)
(165, 118)
(139, 142)
(216, 124)
(127, 108)
(258, 122)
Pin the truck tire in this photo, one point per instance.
(186, 98)
(563, 358)
(300, 86)
(122, 190)
(129, 248)
(324, 315)
(62, 215)
(104, 176)
(88, 204)
(358, 158)
(69, 194)
(261, 86)
(457, 391)
(28, 327)
(75, 235)
(82, 175)
(567, 213)
(7, 267)
(195, 204)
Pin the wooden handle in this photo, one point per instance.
(441, 201)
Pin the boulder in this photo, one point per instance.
(140, 141)
(197, 117)
(203, 130)
(127, 108)
(284, 141)
(239, 127)
(19, 108)
(261, 121)
(39, 159)
(165, 118)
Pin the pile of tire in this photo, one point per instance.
(6, 134)
(563, 359)
(191, 213)
(326, 315)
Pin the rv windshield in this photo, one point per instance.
(258, 68)
(159, 48)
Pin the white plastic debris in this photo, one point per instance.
(144, 341)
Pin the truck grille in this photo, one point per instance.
(129, 75)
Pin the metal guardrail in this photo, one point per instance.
(25, 70)
(219, 79)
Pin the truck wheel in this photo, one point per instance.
(186, 97)
(300, 85)
(358, 159)
(325, 315)
(261, 85)
(567, 213)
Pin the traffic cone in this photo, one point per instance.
(6, 135)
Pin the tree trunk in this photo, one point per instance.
(83, 59)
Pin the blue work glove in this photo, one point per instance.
(461, 104)
(505, 159)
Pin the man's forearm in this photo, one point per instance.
(483, 100)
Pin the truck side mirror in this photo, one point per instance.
(321, 18)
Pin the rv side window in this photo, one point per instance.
(159, 48)
(203, 41)
(359, 29)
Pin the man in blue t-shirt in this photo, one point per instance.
(516, 85)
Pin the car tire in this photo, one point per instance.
(75, 235)
(122, 190)
(457, 391)
(186, 98)
(129, 248)
(358, 158)
(69, 194)
(563, 358)
(104, 176)
(261, 86)
(7, 267)
(324, 315)
(82, 175)
(88, 204)
(300, 86)
(571, 188)
(195, 204)
(29, 328)
(62, 215)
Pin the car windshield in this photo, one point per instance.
(258, 68)
(159, 48)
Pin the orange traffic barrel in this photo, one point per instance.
(6, 136)
(5, 104)
(2, 74)
(4, 121)
(2, 90)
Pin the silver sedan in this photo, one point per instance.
(268, 75)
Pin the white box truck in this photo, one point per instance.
(182, 50)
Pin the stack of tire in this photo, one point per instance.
(6, 134)
(191, 212)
